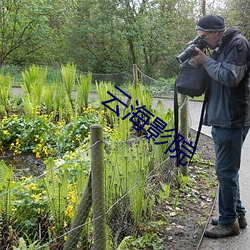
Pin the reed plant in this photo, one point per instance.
(48, 97)
(7, 231)
(102, 89)
(141, 94)
(5, 90)
(56, 184)
(34, 80)
(83, 91)
(65, 181)
(68, 75)
(164, 142)
(62, 106)
(126, 172)
(137, 179)
(6, 184)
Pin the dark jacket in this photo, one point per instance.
(228, 103)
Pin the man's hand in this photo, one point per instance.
(200, 58)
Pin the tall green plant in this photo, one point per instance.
(48, 98)
(56, 185)
(62, 106)
(83, 90)
(68, 74)
(33, 85)
(6, 184)
(126, 171)
(141, 94)
(168, 117)
(137, 180)
(102, 89)
(5, 90)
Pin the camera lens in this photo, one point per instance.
(187, 53)
(190, 51)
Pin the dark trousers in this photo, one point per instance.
(228, 145)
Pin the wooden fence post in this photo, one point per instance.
(184, 127)
(98, 195)
(80, 218)
(135, 74)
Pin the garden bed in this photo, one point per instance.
(150, 205)
(178, 220)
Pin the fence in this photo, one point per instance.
(44, 206)
(88, 206)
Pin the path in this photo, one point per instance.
(241, 242)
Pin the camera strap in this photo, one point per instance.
(176, 123)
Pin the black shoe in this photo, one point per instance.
(241, 219)
(221, 231)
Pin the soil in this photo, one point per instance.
(188, 221)
(25, 164)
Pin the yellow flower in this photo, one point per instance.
(37, 196)
(16, 152)
(6, 132)
(73, 199)
(31, 187)
(69, 211)
(45, 151)
(38, 156)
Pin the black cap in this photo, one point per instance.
(210, 23)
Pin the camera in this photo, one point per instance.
(190, 51)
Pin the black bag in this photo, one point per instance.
(192, 80)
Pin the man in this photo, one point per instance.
(228, 112)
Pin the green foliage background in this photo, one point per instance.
(107, 36)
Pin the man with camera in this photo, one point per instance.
(228, 112)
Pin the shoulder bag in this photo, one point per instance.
(192, 79)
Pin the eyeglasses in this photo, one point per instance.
(203, 36)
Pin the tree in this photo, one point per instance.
(237, 13)
(21, 21)
(108, 36)
(101, 36)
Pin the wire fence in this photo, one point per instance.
(40, 212)
(160, 87)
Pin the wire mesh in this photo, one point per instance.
(158, 87)
(41, 210)
(44, 210)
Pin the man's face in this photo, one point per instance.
(211, 38)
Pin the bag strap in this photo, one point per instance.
(176, 123)
(200, 124)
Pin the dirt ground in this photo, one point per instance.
(187, 223)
